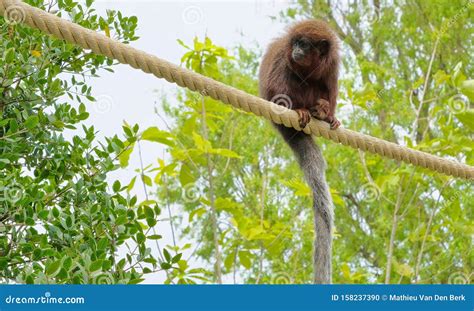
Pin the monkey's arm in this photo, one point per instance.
(333, 89)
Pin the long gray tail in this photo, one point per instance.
(312, 163)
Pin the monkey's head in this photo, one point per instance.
(313, 47)
(306, 51)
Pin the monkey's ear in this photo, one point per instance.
(323, 46)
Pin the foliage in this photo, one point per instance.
(228, 187)
(60, 222)
(391, 218)
(409, 86)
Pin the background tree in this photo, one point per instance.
(395, 223)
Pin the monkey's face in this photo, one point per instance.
(308, 52)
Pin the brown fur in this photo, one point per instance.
(305, 84)
(311, 84)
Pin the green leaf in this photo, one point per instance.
(140, 238)
(3, 263)
(121, 220)
(167, 255)
(52, 267)
(156, 135)
(147, 180)
(148, 202)
(124, 157)
(149, 212)
(67, 263)
(151, 222)
(183, 44)
(102, 244)
(9, 55)
(229, 260)
(197, 212)
(31, 122)
(116, 186)
(106, 265)
(37, 254)
(244, 258)
(466, 118)
(131, 184)
(136, 281)
(467, 88)
(176, 258)
(96, 265)
(201, 143)
(185, 175)
(154, 237)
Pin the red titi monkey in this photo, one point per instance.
(302, 67)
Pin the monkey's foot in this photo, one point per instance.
(333, 122)
(320, 111)
(304, 117)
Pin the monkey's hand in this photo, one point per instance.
(321, 110)
(304, 117)
(333, 122)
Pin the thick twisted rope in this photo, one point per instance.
(17, 11)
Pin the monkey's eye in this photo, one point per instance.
(303, 44)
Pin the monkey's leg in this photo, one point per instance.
(304, 116)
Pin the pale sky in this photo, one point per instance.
(130, 95)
